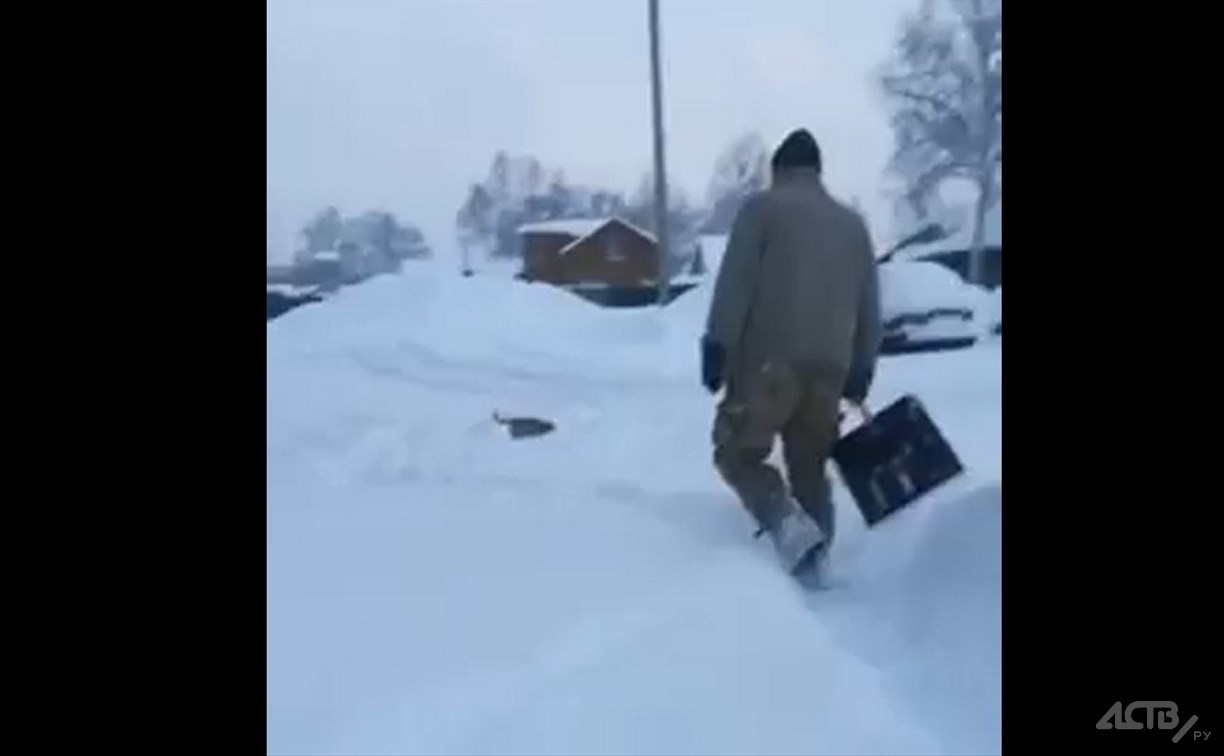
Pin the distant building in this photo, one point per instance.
(368, 245)
(607, 251)
(326, 270)
(609, 260)
(376, 244)
(281, 274)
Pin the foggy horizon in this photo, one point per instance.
(400, 106)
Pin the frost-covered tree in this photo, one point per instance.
(475, 223)
(945, 87)
(605, 204)
(495, 208)
(742, 168)
(513, 178)
(562, 199)
(683, 218)
(498, 181)
(506, 232)
(405, 242)
(384, 233)
(535, 177)
(323, 231)
(518, 190)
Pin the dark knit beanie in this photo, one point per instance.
(799, 149)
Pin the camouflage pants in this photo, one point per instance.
(779, 401)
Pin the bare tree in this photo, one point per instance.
(683, 219)
(945, 86)
(473, 222)
(384, 228)
(741, 169)
(323, 231)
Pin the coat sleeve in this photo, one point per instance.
(737, 277)
(868, 331)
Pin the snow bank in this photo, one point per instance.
(436, 588)
(925, 611)
(499, 323)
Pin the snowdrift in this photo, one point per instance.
(434, 587)
(493, 319)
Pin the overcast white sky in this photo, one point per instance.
(400, 104)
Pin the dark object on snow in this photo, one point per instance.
(894, 458)
(524, 427)
(713, 360)
(629, 296)
(895, 344)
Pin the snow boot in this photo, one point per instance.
(796, 537)
(812, 570)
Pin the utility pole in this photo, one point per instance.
(660, 174)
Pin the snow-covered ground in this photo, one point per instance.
(434, 587)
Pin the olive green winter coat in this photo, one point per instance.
(798, 286)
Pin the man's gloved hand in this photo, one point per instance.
(713, 360)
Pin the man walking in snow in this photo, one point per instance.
(794, 327)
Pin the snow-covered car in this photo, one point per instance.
(926, 306)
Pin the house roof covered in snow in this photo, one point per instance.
(580, 229)
(292, 290)
(570, 226)
(639, 231)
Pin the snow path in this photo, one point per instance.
(436, 588)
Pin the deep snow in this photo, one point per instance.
(434, 587)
